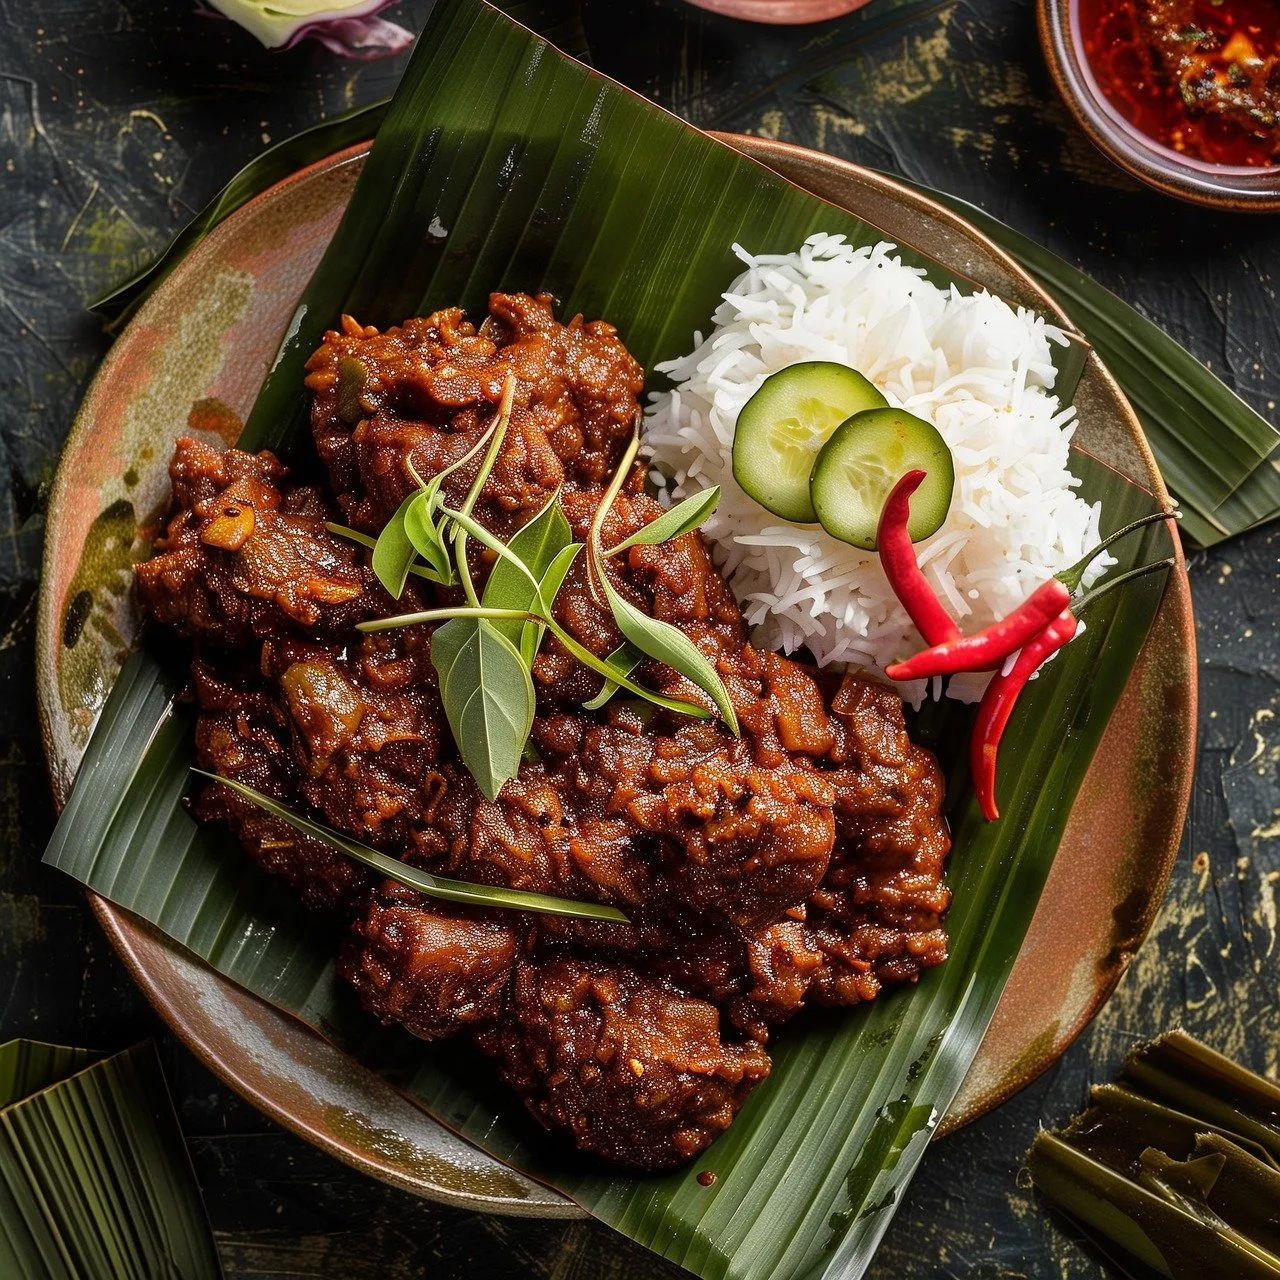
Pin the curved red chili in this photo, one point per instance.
(898, 556)
(986, 649)
(997, 706)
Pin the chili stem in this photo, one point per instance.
(1111, 583)
(1072, 577)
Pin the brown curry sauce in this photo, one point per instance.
(800, 864)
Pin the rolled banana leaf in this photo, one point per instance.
(1173, 1172)
(95, 1180)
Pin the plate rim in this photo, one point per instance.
(122, 928)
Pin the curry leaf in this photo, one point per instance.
(683, 517)
(488, 698)
(423, 533)
(393, 552)
(515, 580)
(478, 895)
(624, 659)
(548, 589)
(660, 640)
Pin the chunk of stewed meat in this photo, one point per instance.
(239, 736)
(437, 969)
(239, 560)
(636, 1072)
(418, 396)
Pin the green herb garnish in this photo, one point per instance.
(651, 636)
(488, 698)
(484, 653)
(684, 517)
(476, 895)
(624, 659)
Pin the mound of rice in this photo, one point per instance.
(975, 367)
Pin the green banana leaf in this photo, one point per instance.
(544, 175)
(1217, 455)
(559, 21)
(94, 1178)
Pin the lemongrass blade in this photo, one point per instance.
(1120, 1123)
(595, 570)
(425, 882)
(578, 650)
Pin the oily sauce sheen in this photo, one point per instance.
(799, 864)
(1202, 77)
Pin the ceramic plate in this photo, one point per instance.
(192, 361)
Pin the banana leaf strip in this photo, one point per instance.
(94, 1177)
(545, 175)
(27, 1066)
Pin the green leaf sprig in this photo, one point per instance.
(484, 652)
(464, 891)
(651, 636)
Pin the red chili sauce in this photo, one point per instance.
(1200, 76)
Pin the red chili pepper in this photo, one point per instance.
(986, 649)
(901, 567)
(997, 706)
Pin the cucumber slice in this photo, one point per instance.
(865, 457)
(784, 425)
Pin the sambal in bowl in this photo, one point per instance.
(1182, 94)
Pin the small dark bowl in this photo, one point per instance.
(781, 12)
(1238, 188)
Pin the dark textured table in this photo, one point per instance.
(120, 118)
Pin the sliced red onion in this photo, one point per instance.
(348, 28)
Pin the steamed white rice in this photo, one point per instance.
(979, 370)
